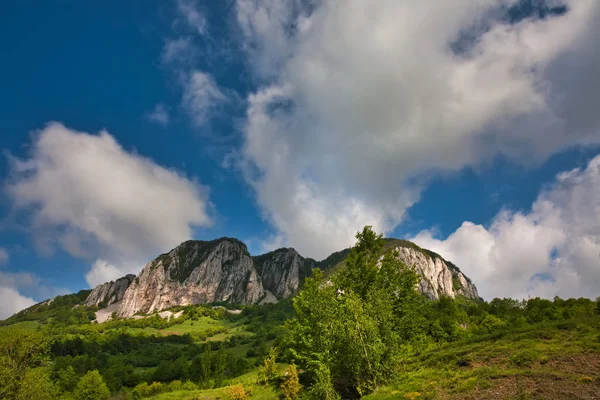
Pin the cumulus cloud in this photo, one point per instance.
(160, 115)
(356, 103)
(18, 290)
(3, 255)
(87, 194)
(552, 250)
(11, 301)
(103, 271)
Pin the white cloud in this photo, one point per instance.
(3, 255)
(201, 97)
(11, 301)
(188, 12)
(160, 115)
(18, 290)
(552, 250)
(178, 51)
(102, 271)
(357, 103)
(87, 194)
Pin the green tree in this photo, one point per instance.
(207, 360)
(67, 379)
(354, 324)
(20, 350)
(196, 370)
(322, 388)
(219, 366)
(267, 372)
(91, 387)
(291, 385)
(36, 385)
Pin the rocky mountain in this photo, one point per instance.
(438, 276)
(110, 292)
(222, 270)
(195, 272)
(282, 271)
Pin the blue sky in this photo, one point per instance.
(468, 128)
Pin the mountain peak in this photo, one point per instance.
(222, 270)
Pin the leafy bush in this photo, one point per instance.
(91, 387)
(525, 358)
(238, 392)
(291, 385)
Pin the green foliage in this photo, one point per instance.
(266, 374)
(354, 325)
(349, 332)
(36, 385)
(238, 392)
(168, 371)
(61, 309)
(352, 331)
(541, 357)
(67, 379)
(525, 357)
(219, 366)
(291, 385)
(322, 388)
(91, 387)
(20, 351)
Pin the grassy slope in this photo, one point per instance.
(259, 392)
(554, 361)
(551, 361)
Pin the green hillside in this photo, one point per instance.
(360, 331)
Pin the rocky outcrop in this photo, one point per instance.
(110, 292)
(438, 277)
(195, 272)
(282, 271)
(222, 270)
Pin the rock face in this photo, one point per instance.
(195, 272)
(109, 292)
(438, 277)
(222, 270)
(282, 271)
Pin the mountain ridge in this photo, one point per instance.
(223, 270)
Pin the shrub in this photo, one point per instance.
(267, 371)
(322, 388)
(524, 358)
(238, 392)
(291, 385)
(91, 387)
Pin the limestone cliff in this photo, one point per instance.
(195, 272)
(222, 270)
(109, 292)
(282, 271)
(438, 276)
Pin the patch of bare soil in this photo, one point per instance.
(573, 377)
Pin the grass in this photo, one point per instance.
(200, 325)
(250, 379)
(215, 329)
(551, 361)
(30, 325)
(559, 360)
